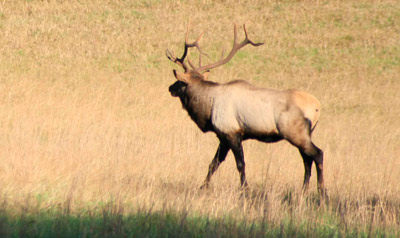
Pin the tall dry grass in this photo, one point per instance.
(86, 117)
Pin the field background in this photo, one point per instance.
(86, 117)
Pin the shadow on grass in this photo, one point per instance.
(110, 220)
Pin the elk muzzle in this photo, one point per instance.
(177, 88)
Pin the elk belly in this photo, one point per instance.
(256, 117)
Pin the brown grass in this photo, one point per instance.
(86, 117)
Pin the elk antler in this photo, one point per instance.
(235, 48)
(180, 61)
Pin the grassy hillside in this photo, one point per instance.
(86, 118)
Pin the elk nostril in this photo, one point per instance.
(172, 91)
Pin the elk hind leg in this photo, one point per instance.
(319, 162)
(307, 170)
(311, 153)
(298, 133)
(219, 157)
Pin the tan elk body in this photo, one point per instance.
(237, 111)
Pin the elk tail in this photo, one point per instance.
(312, 129)
(309, 125)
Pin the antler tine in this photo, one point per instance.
(248, 40)
(171, 56)
(187, 32)
(191, 64)
(235, 48)
(200, 60)
(181, 61)
(245, 31)
(197, 45)
(234, 34)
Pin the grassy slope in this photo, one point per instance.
(162, 224)
(86, 117)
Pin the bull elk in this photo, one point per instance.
(237, 111)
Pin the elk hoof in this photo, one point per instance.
(204, 186)
(324, 195)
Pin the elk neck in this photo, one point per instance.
(198, 102)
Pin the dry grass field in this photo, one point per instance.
(86, 117)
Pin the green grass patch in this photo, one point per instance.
(111, 221)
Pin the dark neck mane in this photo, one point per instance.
(198, 101)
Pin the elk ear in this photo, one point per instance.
(181, 76)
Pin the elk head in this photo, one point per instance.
(200, 73)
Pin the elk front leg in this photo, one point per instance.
(237, 149)
(219, 157)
